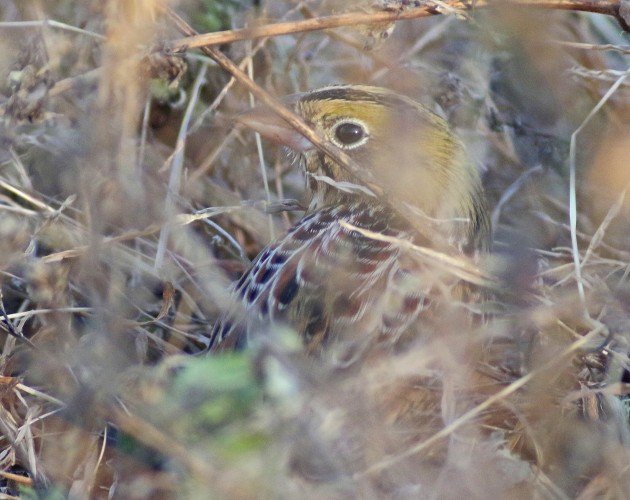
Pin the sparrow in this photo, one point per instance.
(340, 277)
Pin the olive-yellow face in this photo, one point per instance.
(407, 150)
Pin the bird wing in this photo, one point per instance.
(329, 282)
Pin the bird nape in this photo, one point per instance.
(340, 277)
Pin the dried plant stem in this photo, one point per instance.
(26, 481)
(53, 24)
(259, 147)
(177, 167)
(572, 189)
(335, 153)
(149, 435)
(207, 164)
(143, 133)
(598, 237)
(78, 251)
(622, 49)
(477, 410)
(26, 197)
(39, 394)
(181, 219)
(458, 266)
(511, 191)
(608, 7)
(277, 107)
(10, 434)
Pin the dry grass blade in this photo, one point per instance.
(151, 436)
(277, 107)
(39, 394)
(610, 7)
(572, 187)
(598, 237)
(53, 24)
(25, 196)
(77, 252)
(259, 147)
(477, 410)
(302, 127)
(486, 378)
(26, 481)
(591, 46)
(456, 266)
(177, 166)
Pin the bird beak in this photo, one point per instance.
(272, 127)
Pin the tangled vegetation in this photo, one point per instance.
(129, 201)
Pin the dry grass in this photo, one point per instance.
(130, 202)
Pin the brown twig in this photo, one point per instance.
(607, 7)
(17, 478)
(459, 267)
(339, 156)
(8, 430)
(470, 415)
(621, 49)
(153, 437)
(277, 107)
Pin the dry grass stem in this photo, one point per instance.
(609, 7)
(572, 188)
(133, 203)
(476, 411)
(457, 266)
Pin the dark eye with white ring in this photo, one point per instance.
(350, 134)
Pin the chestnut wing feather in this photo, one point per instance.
(328, 282)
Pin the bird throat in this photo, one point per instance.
(328, 184)
(465, 225)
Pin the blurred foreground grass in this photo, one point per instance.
(107, 297)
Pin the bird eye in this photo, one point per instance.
(350, 133)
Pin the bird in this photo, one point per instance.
(339, 277)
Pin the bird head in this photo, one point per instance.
(406, 149)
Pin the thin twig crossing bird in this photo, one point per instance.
(325, 279)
